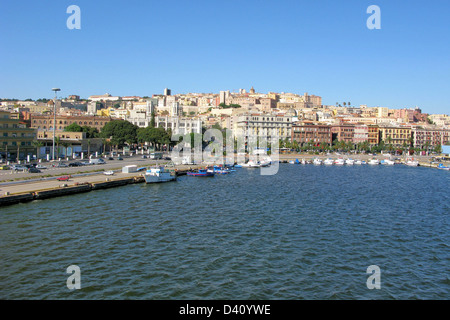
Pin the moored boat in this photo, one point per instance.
(339, 162)
(158, 174)
(200, 173)
(328, 162)
(350, 162)
(317, 162)
(412, 163)
(374, 162)
(387, 162)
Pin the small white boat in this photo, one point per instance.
(374, 162)
(412, 163)
(251, 164)
(339, 162)
(292, 162)
(303, 161)
(109, 173)
(442, 167)
(387, 162)
(350, 162)
(358, 162)
(265, 162)
(158, 174)
(317, 162)
(328, 162)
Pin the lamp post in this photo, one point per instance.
(54, 121)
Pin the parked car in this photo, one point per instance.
(97, 161)
(119, 158)
(40, 167)
(34, 170)
(75, 164)
(5, 167)
(110, 158)
(19, 168)
(61, 165)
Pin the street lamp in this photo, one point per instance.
(54, 121)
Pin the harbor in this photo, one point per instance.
(14, 192)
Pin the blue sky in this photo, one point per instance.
(322, 47)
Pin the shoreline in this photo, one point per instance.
(43, 188)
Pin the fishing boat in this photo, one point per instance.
(218, 170)
(350, 162)
(317, 162)
(328, 162)
(374, 162)
(358, 162)
(200, 173)
(339, 162)
(442, 167)
(158, 174)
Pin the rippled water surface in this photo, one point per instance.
(309, 232)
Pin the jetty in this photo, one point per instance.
(25, 191)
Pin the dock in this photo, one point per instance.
(30, 191)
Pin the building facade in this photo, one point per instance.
(16, 139)
(309, 133)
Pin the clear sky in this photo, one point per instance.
(322, 47)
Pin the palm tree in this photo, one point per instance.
(38, 145)
(65, 145)
(89, 147)
(57, 141)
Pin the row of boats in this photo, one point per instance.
(161, 174)
(350, 162)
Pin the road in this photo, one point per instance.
(8, 175)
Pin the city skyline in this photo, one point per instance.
(321, 48)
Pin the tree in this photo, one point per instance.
(65, 145)
(74, 127)
(91, 132)
(152, 120)
(38, 145)
(120, 132)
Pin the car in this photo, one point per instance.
(34, 170)
(61, 165)
(75, 164)
(167, 158)
(63, 178)
(4, 167)
(119, 158)
(40, 167)
(144, 157)
(110, 158)
(19, 168)
(109, 173)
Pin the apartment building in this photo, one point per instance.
(16, 138)
(306, 133)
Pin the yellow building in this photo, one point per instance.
(16, 139)
(397, 136)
